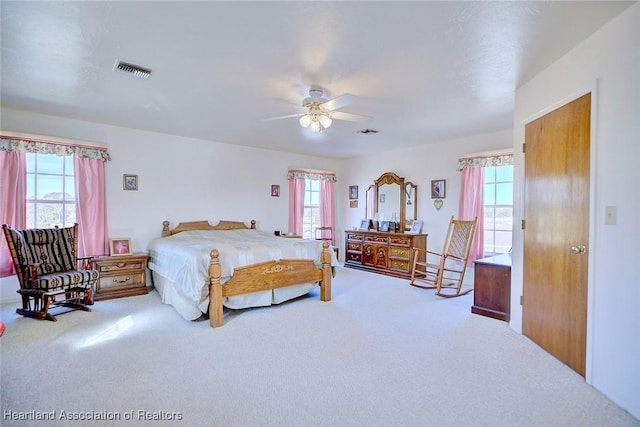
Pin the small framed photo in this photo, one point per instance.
(416, 226)
(275, 191)
(353, 192)
(384, 226)
(364, 224)
(438, 189)
(120, 246)
(353, 203)
(130, 182)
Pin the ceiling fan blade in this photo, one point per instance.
(340, 115)
(288, 116)
(339, 102)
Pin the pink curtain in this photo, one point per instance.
(327, 217)
(13, 201)
(296, 205)
(472, 205)
(90, 206)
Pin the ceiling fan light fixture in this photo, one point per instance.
(325, 121)
(316, 126)
(305, 120)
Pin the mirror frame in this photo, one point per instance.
(392, 178)
(413, 197)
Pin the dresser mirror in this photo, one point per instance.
(390, 198)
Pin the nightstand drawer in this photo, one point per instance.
(120, 266)
(120, 281)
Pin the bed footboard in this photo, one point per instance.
(264, 276)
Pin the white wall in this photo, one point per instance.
(420, 165)
(608, 65)
(179, 179)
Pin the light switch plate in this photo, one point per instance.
(610, 214)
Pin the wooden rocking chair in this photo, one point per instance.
(444, 271)
(48, 270)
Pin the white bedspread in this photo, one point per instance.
(183, 260)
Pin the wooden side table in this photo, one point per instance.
(121, 276)
(492, 287)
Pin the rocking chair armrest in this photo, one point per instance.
(434, 253)
(85, 262)
(30, 274)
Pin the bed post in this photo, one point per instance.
(325, 286)
(165, 229)
(215, 291)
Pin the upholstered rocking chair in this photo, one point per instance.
(444, 271)
(53, 280)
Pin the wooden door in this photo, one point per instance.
(556, 206)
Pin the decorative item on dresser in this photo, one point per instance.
(121, 276)
(492, 283)
(384, 253)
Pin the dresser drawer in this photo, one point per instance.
(351, 256)
(377, 239)
(400, 241)
(354, 236)
(398, 264)
(399, 252)
(352, 246)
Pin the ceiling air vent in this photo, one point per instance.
(136, 70)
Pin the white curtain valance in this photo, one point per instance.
(26, 145)
(483, 161)
(311, 174)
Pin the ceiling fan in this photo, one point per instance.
(318, 112)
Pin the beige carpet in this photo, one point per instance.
(381, 353)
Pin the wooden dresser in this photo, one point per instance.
(492, 287)
(384, 253)
(121, 276)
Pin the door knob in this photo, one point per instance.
(579, 250)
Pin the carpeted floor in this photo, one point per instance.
(381, 353)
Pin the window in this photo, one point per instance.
(311, 216)
(50, 191)
(498, 209)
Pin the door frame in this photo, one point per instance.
(593, 148)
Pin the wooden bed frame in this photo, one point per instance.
(256, 277)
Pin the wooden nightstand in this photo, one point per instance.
(121, 276)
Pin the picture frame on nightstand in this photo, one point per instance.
(120, 246)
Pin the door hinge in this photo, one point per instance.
(523, 224)
(521, 300)
(523, 148)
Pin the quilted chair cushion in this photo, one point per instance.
(74, 278)
(50, 248)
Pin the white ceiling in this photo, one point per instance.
(424, 71)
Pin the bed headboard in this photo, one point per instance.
(204, 225)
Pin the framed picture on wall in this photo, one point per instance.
(438, 189)
(275, 191)
(130, 182)
(353, 192)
